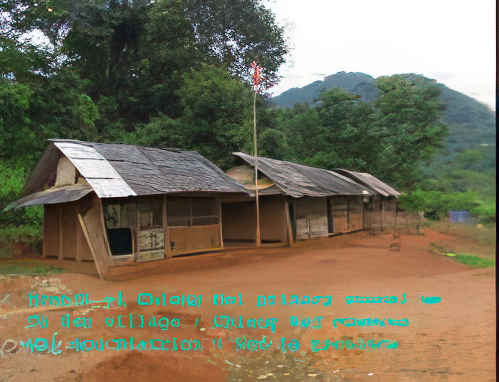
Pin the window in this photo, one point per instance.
(119, 219)
(120, 241)
(119, 215)
(151, 213)
(204, 211)
(178, 212)
(183, 212)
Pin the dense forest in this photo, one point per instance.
(176, 73)
(464, 170)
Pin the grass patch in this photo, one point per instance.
(470, 260)
(32, 269)
(475, 261)
(482, 233)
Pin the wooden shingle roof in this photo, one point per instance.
(298, 180)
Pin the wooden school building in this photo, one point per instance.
(381, 209)
(118, 204)
(296, 202)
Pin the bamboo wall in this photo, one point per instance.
(239, 220)
(198, 237)
(311, 217)
(63, 236)
(339, 213)
(355, 213)
(379, 213)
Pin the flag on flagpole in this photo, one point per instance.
(256, 79)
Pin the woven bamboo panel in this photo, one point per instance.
(70, 224)
(198, 237)
(356, 222)
(339, 213)
(51, 230)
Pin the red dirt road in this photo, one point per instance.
(453, 340)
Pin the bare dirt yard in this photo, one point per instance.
(453, 340)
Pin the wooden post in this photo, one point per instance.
(45, 232)
(61, 253)
(362, 211)
(289, 229)
(103, 222)
(137, 223)
(89, 241)
(168, 248)
(190, 212)
(219, 203)
(348, 213)
(78, 234)
(382, 212)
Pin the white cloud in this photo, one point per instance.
(451, 41)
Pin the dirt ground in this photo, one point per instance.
(454, 340)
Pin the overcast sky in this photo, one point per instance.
(451, 41)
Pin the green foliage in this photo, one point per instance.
(410, 109)
(471, 125)
(437, 204)
(14, 120)
(273, 144)
(475, 261)
(18, 225)
(217, 113)
(236, 33)
(33, 268)
(162, 132)
(29, 234)
(485, 210)
(344, 131)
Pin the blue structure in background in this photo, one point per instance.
(459, 217)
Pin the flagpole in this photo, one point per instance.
(258, 239)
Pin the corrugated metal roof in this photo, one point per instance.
(117, 170)
(96, 169)
(370, 181)
(52, 196)
(298, 180)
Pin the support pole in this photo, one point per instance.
(257, 201)
(168, 250)
(61, 237)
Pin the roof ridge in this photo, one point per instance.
(171, 149)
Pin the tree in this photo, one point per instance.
(234, 33)
(217, 113)
(14, 121)
(410, 108)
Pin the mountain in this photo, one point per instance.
(471, 123)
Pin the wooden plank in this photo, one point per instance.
(78, 235)
(190, 211)
(348, 214)
(197, 237)
(382, 215)
(100, 212)
(69, 225)
(87, 236)
(289, 229)
(93, 227)
(51, 230)
(219, 203)
(61, 253)
(168, 249)
(45, 239)
(137, 231)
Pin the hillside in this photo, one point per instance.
(469, 157)
(471, 123)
